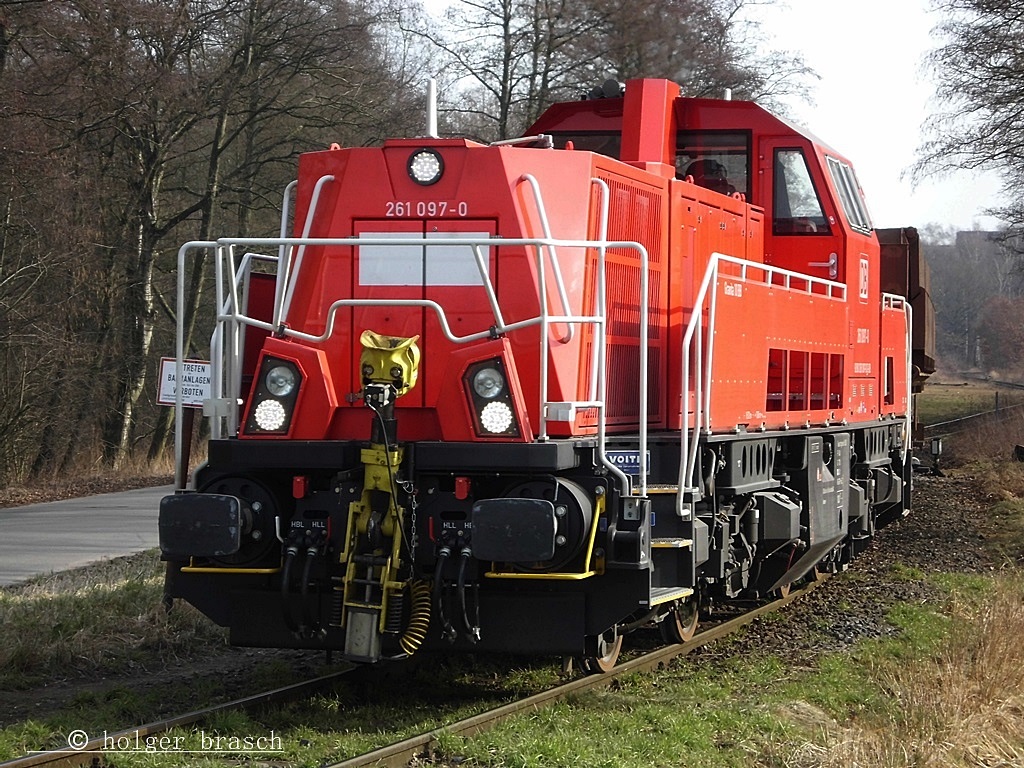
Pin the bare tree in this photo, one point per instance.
(497, 54)
(281, 69)
(968, 272)
(979, 70)
(128, 127)
(508, 59)
(704, 45)
(1001, 333)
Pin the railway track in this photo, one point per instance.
(84, 751)
(89, 752)
(399, 754)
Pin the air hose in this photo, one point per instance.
(309, 625)
(286, 578)
(473, 631)
(447, 630)
(419, 618)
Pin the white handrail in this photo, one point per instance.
(896, 302)
(282, 254)
(291, 275)
(229, 311)
(282, 250)
(693, 343)
(233, 318)
(552, 256)
(179, 357)
(599, 372)
(218, 389)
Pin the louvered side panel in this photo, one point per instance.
(636, 214)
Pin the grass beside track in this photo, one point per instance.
(941, 402)
(944, 691)
(105, 618)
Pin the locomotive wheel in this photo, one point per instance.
(596, 665)
(680, 625)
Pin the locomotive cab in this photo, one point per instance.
(531, 395)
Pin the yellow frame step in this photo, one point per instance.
(671, 543)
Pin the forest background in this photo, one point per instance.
(128, 127)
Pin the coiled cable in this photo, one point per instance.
(309, 625)
(419, 618)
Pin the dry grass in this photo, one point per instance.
(963, 707)
(990, 437)
(87, 482)
(941, 401)
(105, 617)
(985, 449)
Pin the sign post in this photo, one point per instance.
(196, 385)
(196, 382)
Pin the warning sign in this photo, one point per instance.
(196, 382)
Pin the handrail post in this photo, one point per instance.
(910, 378)
(600, 363)
(283, 253)
(552, 256)
(179, 357)
(542, 435)
(293, 274)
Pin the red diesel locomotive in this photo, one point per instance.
(529, 396)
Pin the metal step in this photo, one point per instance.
(661, 595)
(662, 489)
(671, 543)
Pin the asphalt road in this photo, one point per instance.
(41, 538)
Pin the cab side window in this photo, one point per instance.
(850, 197)
(718, 160)
(796, 206)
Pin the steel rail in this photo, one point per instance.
(399, 754)
(91, 752)
(947, 427)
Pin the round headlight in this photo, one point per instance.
(280, 381)
(270, 415)
(496, 417)
(488, 383)
(425, 166)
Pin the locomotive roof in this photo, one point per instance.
(686, 113)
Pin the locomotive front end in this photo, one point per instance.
(408, 444)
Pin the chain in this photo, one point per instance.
(410, 491)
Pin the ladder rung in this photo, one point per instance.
(371, 559)
(671, 543)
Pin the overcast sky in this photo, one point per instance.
(871, 101)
